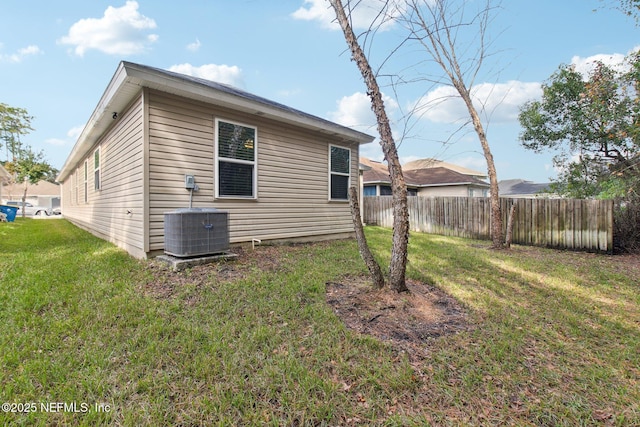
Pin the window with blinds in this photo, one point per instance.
(236, 147)
(339, 172)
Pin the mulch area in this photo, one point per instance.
(409, 321)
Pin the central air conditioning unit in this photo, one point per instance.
(194, 232)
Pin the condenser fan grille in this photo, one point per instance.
(196, 232)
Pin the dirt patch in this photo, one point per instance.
(165, 282)
(408, 320)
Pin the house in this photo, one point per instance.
(435, 163)
(42, 193)
(281, 174)
(430, 179)
(520, 188)
(5, 178)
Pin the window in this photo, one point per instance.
(235, 153)
(86, 187)
(369, 190)
(339, 172)
(96, 168)
(385, 190)
(76, 179)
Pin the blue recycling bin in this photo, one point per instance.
(9, 211)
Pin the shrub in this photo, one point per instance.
(626, 226)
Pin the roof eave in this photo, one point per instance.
(130, 78)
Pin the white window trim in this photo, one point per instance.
(338, 173)
(217, 158)
(97, 187)
(86, 181)
(77, 184)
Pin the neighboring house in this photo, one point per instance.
(435, 163)
(280, 173)
(5, 178)
(520, 188)
(42, 193)
(429, 181)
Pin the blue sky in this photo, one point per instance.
(56, 61)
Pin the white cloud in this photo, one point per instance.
(355, 111)
(614, 60)
(21, 54)
(364, 14)
(231, 75)
(72, 133)
(499, 102)
(121, 31)
(195, 46)
(75, 132)
(585, 65)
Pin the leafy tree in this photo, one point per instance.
(592, 123)
(629, 7)
(13, 123)
(29, 168)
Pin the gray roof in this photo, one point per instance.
(129, 78)
(512, 187)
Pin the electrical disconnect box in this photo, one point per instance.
(189, 182)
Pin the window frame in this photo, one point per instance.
(76, 185)
(97, 170)
(86, 181)
(331, 173)
(217, 159)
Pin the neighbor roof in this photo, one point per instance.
(427, 177)
(4, 174)
(129, 78)
(511, 187)
(441, 176)
(435, 163)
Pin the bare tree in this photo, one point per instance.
(434, 25)
(398, 263)
(365, 252)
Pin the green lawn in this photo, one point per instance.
(555, 337)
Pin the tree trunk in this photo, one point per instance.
(367, 256)
(494, 192)
(24, 199)
(512, 211)
(398, 263)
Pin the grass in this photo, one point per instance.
(556, 338)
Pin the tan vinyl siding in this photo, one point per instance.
(115, 212)
(292, 168)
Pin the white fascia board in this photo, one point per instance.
(97, 123)
(190, 89)
(130, 78)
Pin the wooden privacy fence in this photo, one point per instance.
(558, 223)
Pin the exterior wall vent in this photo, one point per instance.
(194, 232)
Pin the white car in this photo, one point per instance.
(29, 208)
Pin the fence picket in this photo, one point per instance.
(561, 223)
